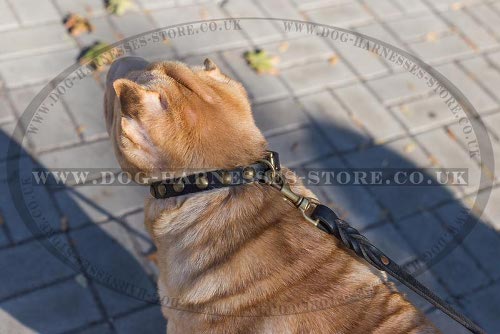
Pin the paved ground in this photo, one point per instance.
(331, 105)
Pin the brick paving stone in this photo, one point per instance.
(424, 232)
(4, 240)
(482, 241)
(410, 28)
(494, 57)
(132, 23)
(155, 50)
(486, 16)
(311, 4)
(110, 201)
(483, 306)
(87, 109)
(483, 73)
(423, 114)
(397, 87)
(456, 269)
(471, 144)
(343, 15)
(278, 116)
(448, 154)
(110, 248)
(310, 77)
(415, 6)
(492, 122)
(298, 51)
(55, 118)
(6, 112)
(445, 323)
(27, 267)
(280, 8)
(492, 210)
(66, 306)
(260, 87)
(459, 272)
(368, 111)
(398, 200)
(365, 63)
(380, 32)
(97, 155)
(97, 329)
(200, 42)
(446, 48)
(383, 8)
(17, 225)
(35, 69)
(389, 241)
(7, 18)
(334, 121)
(81, 7)
(475, 32)
(149, 320)
(156, 4)
(35, 11)
(445, 5)
(351, 202)
(137, 231)
(103, 32)
(258, 30)
(481, 101)
(299, 146)
(34, 40)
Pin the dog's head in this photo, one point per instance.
(169, 117)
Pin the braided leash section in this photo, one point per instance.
(329, 222)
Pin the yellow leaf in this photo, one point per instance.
(333, 60)
(410, 147)
(431, 37)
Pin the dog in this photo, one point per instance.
(237, 259)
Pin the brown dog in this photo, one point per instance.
(239, 259)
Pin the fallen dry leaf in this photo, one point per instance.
(77, 25)
(118, 7)
(98, 56)
(333, 60)
(410, 147)
(431, 37)
(451, 134)
(262, 62)
(80, 129)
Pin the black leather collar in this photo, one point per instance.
(261, 171)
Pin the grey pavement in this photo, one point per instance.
(331, 105)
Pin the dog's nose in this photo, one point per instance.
(122, 66)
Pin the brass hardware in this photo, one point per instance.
(248, 173)
(201, 182)
(162, 190)
(227, 178)
(178, 186)
(384, 260)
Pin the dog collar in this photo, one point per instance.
(262, 171)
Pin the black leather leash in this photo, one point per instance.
(268, 171)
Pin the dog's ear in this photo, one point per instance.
(210, 66)
(135, 99)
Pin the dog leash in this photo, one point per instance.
(268, 171)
